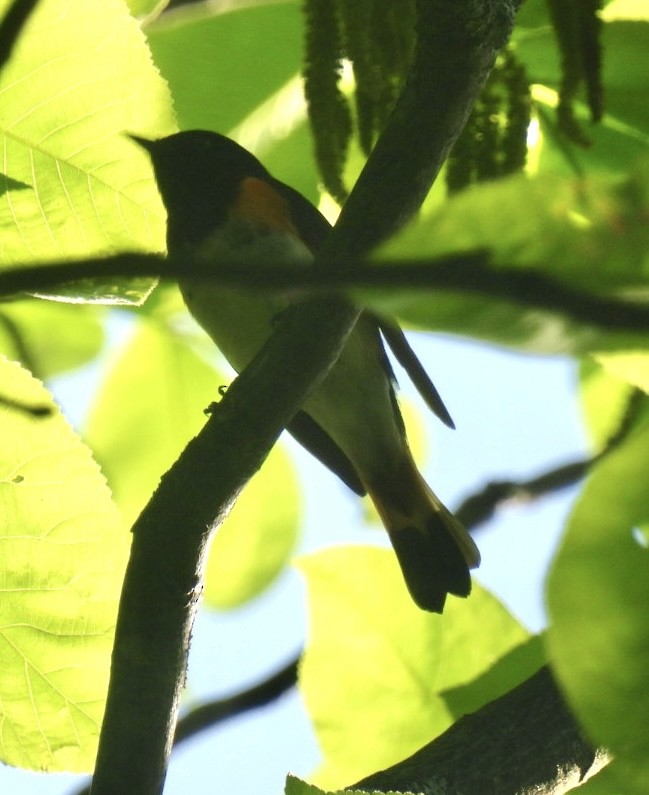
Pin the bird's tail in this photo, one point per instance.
(434, 550)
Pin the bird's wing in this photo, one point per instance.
(312, 224)
(313, 438)
(314, 229)
(407, 358)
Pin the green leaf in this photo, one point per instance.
(295, 786)
(629, 366)
(49, 338)
(598, 591)
(614, 146)
(376, 666)
(149, 407)
(589, 235)
(626, 9)
(79, 79)
(62, 562)
(213, 64)
(532, 14)
(510, 670)
(623, 134)
(604, 399)
(626, 64)
(265, 109)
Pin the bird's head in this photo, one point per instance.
(198, 174)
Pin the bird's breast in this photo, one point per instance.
(240, 320)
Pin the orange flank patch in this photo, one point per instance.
(261, 203)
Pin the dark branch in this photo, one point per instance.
(24, 408)
(212, 713)
(465, 273)
(22, 350)
(524, 741)
(163, 579)
(481, 506)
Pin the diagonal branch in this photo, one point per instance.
(163, 578)
(164, 574)
(525, 741)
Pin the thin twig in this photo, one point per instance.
(467, 273)
(481, 506)
(25, 408)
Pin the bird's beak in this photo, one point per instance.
(145, 143)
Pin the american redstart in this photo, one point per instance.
(223, 206)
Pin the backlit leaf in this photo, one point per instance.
(62, 559)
